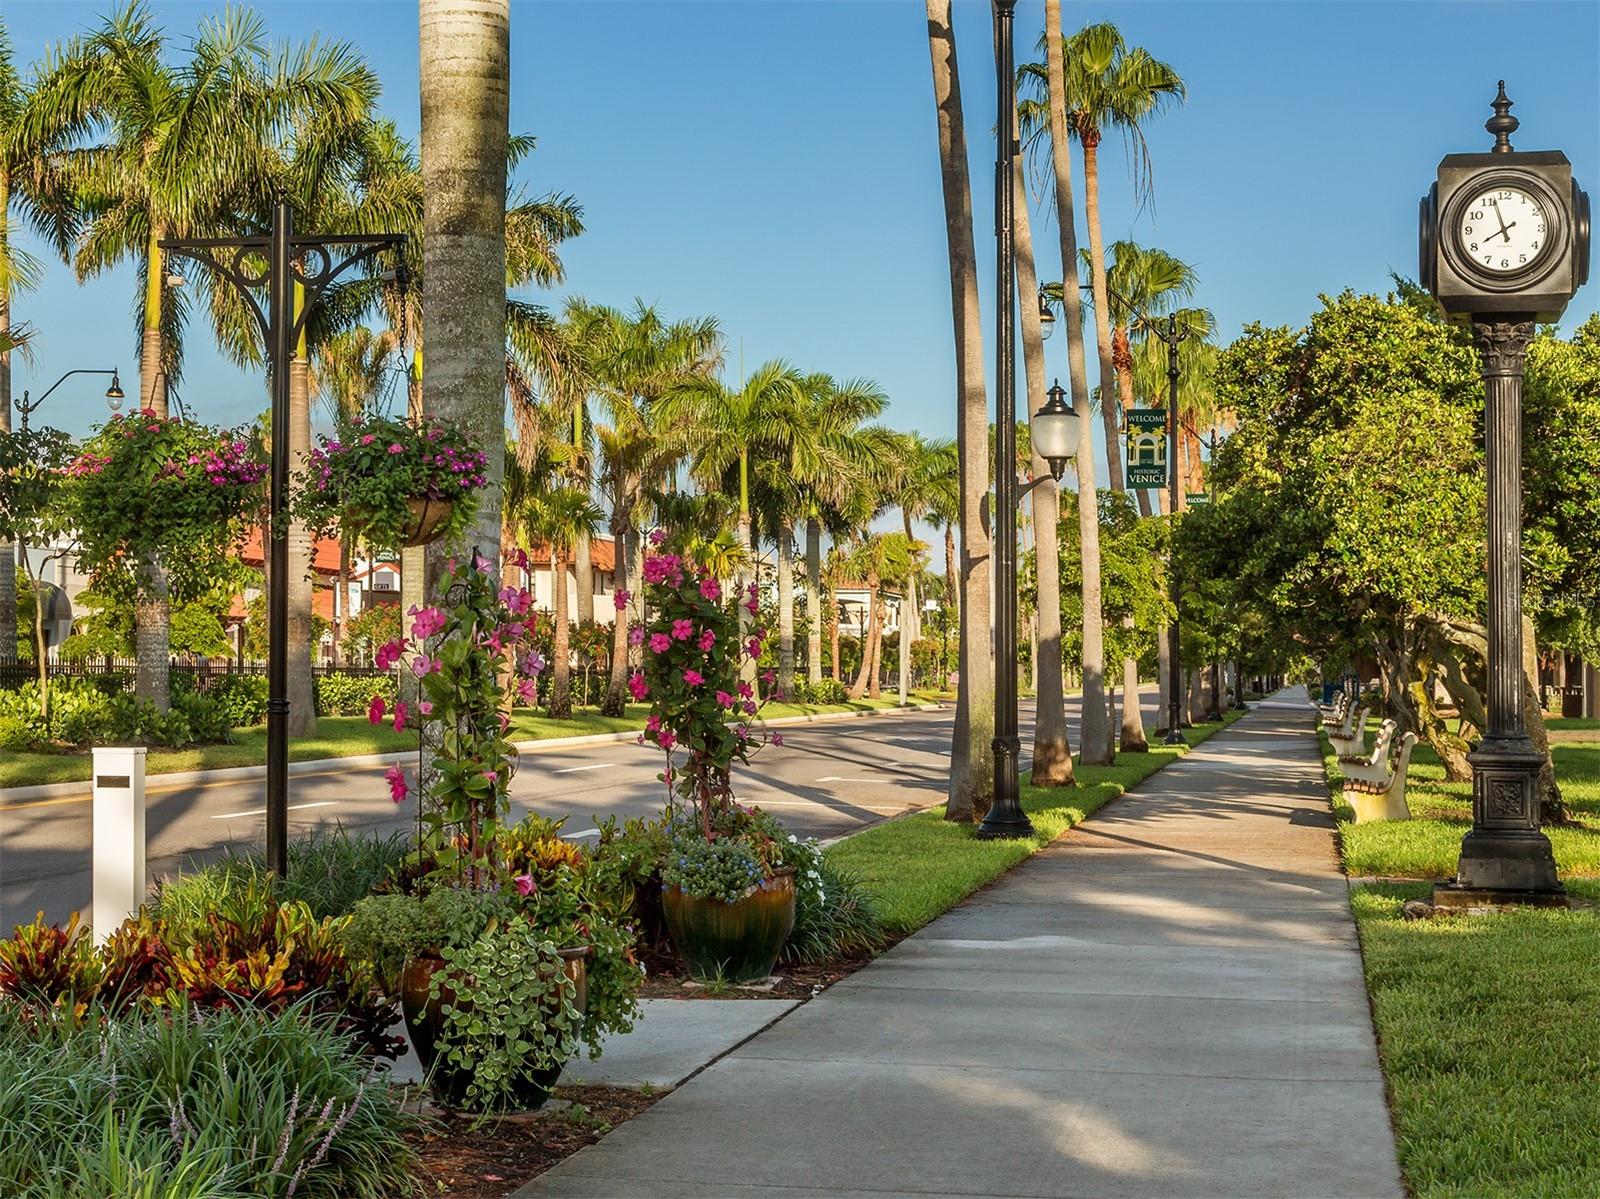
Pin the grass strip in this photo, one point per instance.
(352, 736)
(1489, 1039)
(920, 866)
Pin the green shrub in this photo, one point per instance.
(83, 711)
(340, 694)
(17, 735)
(195, 1104)
(834, 916)
(241, 698)
(827, 691)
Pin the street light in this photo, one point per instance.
(1055, 431)
(26, 406)
(1171, 337)
(1047, 318)
(295, 271)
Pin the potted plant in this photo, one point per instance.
(394, 482)
(728, 880)
(488, 939)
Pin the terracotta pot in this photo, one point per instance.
(423, 1022)
(735, 942)
(428, 517)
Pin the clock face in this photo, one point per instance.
(1503, 230)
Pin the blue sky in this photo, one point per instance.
(775, 163)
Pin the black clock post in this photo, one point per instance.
(1502, 293)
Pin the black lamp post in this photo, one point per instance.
(279, 261)
(1172, 336)
(25, 406)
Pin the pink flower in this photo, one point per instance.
(426, 622)
(425, 707)
(620, 598)
(754, 647)
(525, 884)
(401, 711)
(397, 448)
(492, 776)
(398, 787)
(768, 677)
(528, 692)
(707, 640)
(682, 630)
(534, 664)
(515, 599)
(637, 686)
(653, 725)
(423, 665)
(753, 606)
(777, 738)
(693, 677)
(636, 635)
(660, 643)
(376, 709)
(367, 439)
(724, 699)
(710, 589)
(658, 567)
(744, 691)
(657, 536)
(390, 653)
(749, 707)
(666, 740)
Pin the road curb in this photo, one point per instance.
(230, 774)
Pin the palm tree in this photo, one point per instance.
(349, 370)
(1096, 729)
(1052, 752)
(922, 472)
(971, 750)
(879, 558)
(630, 362)
(152, 151)
(559, 517)
(1107, 83)
(30, 188)
(465, 63)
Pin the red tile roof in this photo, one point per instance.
(602, 555)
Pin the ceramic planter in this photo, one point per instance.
(423, 1022)
(735, 942)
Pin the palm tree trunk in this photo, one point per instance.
(341, 601)
(833, 633)
(874, 679)
(1096, 734)
(152, 636)
(1133, 739)
(617, 685)
(465, 68)
(1052, 753)
(413, 560)
(952, 592)
(583, 571)
(635, 548)
(971, 748)
(8, 553)
(908, 619)
(1090, 141)
(785, 608)
(864, 672)
(813, 601)
(561, 638)
(747, 664)
(300, 584)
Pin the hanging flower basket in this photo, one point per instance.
(395, 483)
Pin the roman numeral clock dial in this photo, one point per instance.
(1503, 230)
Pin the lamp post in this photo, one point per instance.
(25, 406)
(310, 264)
(1047, 317)
(1172, 336)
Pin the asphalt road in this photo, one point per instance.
(826, 779)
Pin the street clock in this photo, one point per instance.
(1505, 231)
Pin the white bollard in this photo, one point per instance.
(119, 886)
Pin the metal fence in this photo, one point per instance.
(16, 674)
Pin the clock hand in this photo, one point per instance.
(1499, 217)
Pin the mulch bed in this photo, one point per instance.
(464, 1159)
(794, 982)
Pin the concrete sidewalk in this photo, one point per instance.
(1167, 1002)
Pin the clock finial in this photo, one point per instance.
(1502, 124)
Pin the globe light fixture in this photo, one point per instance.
(114, 393)
(1055, 431)
(1047, 318)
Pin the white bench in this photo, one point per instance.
(1375, 765)
(1350, 739)
(1385, 797)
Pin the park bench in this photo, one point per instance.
(1350, 738)
(1373, 765)
(1383, 798)
(1333, 714)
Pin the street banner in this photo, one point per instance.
(1146, 453)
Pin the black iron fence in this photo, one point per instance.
(113, 670)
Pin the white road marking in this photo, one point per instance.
(294, 807)
(577, 769)
(585, 832)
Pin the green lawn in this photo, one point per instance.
(1490, 1042)
(1487, 1025)
(920, 866)
(347, 736)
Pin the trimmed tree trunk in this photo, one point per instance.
(908, 616)
(864, 677)
(1089, 139)
(465, 68)
(785, 608)
(301, 583)
(1095, 748)
(560, 638)
(880, 613)
(971, 750)
(616, 698)
(8, 553)
(813, 601)
(1052, 752)
(583, 576)
(152, 635)
(833, 634)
